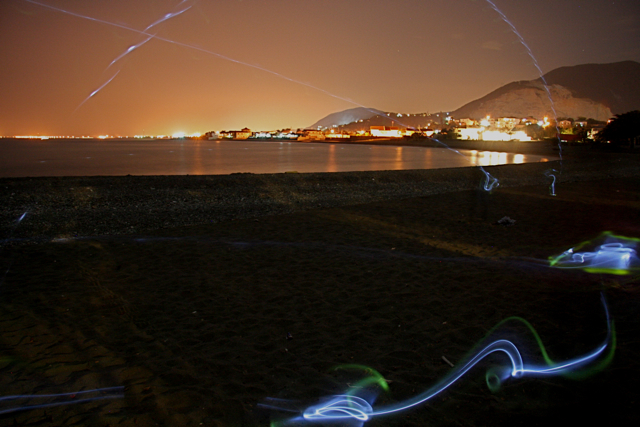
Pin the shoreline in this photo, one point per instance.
(543, 148)
(62, 207)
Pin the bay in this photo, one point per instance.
(82, 157)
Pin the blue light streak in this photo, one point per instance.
(136, 46)
(199, 49)
(356, 410)
(340, 407)
(552, 187)
(129, 50)
(96, 91)
(490, 182)
(165, 18)
(103, 393)
(615, 255)
(528, 49)
(515, 31)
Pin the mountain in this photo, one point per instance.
(591, 90)
(596, 91)
(615, 85)
(345, 117)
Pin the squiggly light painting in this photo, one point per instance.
(354, 409)
(608, 253)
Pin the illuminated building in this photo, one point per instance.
(385, 131)
(311, 135)
(245, 133)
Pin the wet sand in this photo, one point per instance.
(200, 324)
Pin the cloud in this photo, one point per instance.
(492, 45)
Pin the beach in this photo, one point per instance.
(208, 300)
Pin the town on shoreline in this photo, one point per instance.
(400, 127)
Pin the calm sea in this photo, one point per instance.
(59, 157)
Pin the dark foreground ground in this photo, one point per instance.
(200, 324)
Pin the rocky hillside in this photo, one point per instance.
(595, 91)
(530, 98)
(615, 85)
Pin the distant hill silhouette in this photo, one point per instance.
(345, 117)
(423, 120)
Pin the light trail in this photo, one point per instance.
(165, 18)
(62, 398)
(549, 173)
(136, 46)
(355, 410)
(96, 91)
(608, 254)
(490, 182)
(199, 49)
(129, 50)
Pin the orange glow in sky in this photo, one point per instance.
(158, 66)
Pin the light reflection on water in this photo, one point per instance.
(203, 157)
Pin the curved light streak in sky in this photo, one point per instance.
(136, 46)
(199, 49)
(96, 91)
(165, 18)
(355, 410)
(132, 48)
(549, 173)
(529, 52)
(129, 50)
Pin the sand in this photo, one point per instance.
(201, 324)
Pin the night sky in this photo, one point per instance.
(289, 62)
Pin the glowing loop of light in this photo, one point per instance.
(349, 407)
(615, 255)
(612, 255)
(491, 181)
(342, 406)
